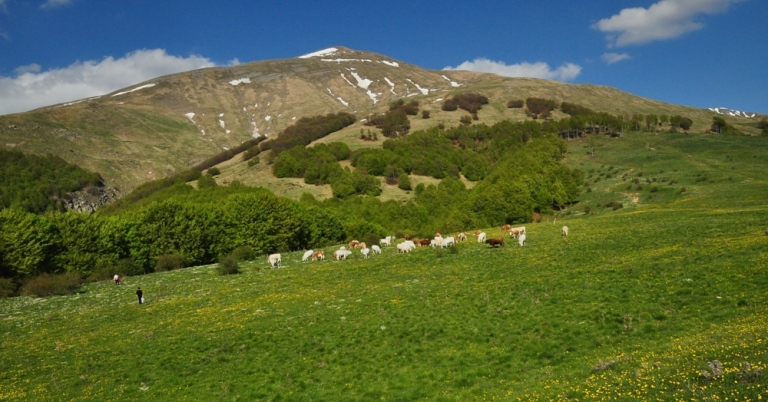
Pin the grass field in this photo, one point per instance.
(633, 305)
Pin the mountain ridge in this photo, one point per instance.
(158, 127)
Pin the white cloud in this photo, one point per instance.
(32, 88)
(666, 19)
(565, 72)
(51, 4)
(610, 58)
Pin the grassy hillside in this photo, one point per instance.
(631, 306)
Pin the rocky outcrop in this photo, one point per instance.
(91, 198)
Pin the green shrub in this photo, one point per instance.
(7, 287)
(228, 265)
(169, 262)
(52, 285)
(404, 182)
(214, 171)
(244, 253)
(515, 104)
(425, 114)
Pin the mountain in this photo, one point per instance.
(161, 126)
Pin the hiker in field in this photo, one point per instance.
(140, 295)
(117, 279)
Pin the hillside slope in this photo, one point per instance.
(164, 125)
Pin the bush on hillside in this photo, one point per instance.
(7, 287)
(244, 253)
(537, 106)
(52, 285)
(515, 104)
(169, 262)
(228, 265)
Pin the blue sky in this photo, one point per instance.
(701, 53)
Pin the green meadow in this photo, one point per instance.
(658, 293)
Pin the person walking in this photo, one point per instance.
(140, 295)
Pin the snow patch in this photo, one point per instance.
(390, 63)
(391, 84)
(255, 132)
(731, 112)
(424, 91)
(345, 79)
(453, 83)
(190, 116)
(339, 61)
(268, 118)
(240, 81)
(134, 89)
(343, 102)
(372, 95)
(221, 123)
(362, 82)
(319, 53)
(221, 114)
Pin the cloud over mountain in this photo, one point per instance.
(31, 87)
(665, 19)
(565, 72)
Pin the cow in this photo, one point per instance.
(385, 242)
(565, 230)
(505, 228)
(521, 240)
(497, 241)
(307, 255)
(477, 232)
(515, 232)
(376, 249)
(318, 255)
(481, 237)
(341, 254)
(448, 241)
(405, 247)
(461, 236)
(354, 244)
(366, 252)
(423, 242)
(275, 260)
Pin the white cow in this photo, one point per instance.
(341, 254)
(448, 241)
(366, 252)
(385, 242)
(405, 247)
(275, 260)
(521, 239)
(481, 237)
(307, 255)
(376, 249)
(565, 230)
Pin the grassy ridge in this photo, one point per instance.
(632, 305)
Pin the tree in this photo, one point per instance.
(404, 182)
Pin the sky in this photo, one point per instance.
(700, 53)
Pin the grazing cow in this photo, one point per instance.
(461, 236)
(307, 255)
(385, 242)
(438, 239)
(565, 230)
(481, 237)
(391, 239)
(448, 241)
(275, 260)
(376, 249)
(506, 228)
(497, 241)
(515, 232)
(423, 242)
(521, 240)
(318, 255)
(477, 232)
(354, 244)
(366, 252)
(341, 254)
(403, 248)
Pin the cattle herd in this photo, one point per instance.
(409, 244)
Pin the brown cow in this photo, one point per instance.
(477, 232)
(516, 232)
(354, 244)
(505, 228)
(498, 241)
(424, 242)
(318, 255)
